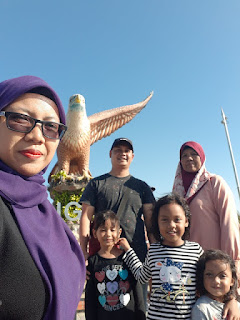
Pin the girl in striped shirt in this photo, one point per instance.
(170, 262)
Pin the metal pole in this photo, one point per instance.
(230, 149)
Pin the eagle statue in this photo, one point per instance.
(74, 149)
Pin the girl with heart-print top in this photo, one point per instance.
(111, 291)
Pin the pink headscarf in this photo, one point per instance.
(188, 177)
(187, 184)
(196, 147)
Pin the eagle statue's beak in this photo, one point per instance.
(78, 100)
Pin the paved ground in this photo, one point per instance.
(80, 315)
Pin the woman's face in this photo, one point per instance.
(190, 160)
(29, 153)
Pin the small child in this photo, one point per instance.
(111, 292)
(171, 262)
(216, 284)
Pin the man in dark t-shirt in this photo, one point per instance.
(106, 193)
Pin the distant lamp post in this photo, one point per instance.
(224, 121)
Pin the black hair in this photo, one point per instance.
(171, 198)
(102, 217)
(211, 255)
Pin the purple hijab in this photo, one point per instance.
(50, 242)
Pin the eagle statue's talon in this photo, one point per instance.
(86, 175)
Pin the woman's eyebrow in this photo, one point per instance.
(26, 111)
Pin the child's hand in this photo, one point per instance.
(231, 310)
(123, 244)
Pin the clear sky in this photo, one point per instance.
(116, 52)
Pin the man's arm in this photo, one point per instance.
(86, 217)
(147, 212)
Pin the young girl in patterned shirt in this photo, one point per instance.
(111, 291)
(170, 262)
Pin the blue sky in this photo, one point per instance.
(116, 52)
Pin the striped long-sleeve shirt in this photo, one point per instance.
(173, 273)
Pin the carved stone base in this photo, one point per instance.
(63, 188)
(74, 227)
(69, 183)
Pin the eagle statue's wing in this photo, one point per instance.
(104, 123)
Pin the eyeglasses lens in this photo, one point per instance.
(24, 123)
(51, 130)
(20, 122)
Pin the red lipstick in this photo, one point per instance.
(31, 153)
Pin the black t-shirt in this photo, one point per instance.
(112, 292)
(22, 291)
(106, 192)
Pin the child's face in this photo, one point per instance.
(217, 279)
(108, 234)
(172, 223)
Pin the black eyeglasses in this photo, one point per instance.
(23, 123)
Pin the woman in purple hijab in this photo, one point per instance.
(42, 269)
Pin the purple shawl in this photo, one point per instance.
(50, 242)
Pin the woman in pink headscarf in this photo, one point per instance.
(214, 221)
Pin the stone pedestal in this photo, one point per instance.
(65, 189)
